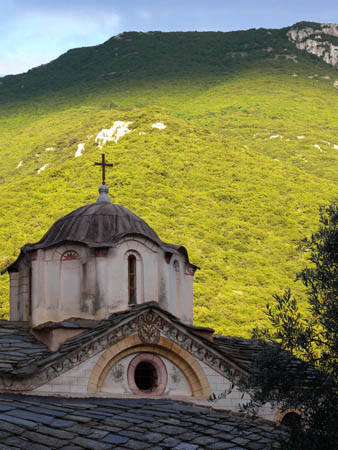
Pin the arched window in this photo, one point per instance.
(177, 287)
(292, 420)
(132, 280)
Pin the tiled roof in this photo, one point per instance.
(43, 423)
(21, 354)
(238, 349)
(245, 351)
(19, 350)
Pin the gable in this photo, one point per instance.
(146, 322)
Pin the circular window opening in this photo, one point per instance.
(146, 377)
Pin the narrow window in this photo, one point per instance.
(30, 293)
(178, 288)
(132, 279)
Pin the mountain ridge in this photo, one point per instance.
(245, 157)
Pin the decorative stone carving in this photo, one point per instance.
(70, 255)
(117, 372)
(149, 326)
(149, 331)
(175, 375)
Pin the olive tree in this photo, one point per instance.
(297, 365)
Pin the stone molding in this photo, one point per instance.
(135, 242)
(160, 324)
(158, 363)
(195, 375)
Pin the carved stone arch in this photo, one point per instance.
(190, 367)
(133, 252)
(59, 252)
(138, 243)
(70, 255)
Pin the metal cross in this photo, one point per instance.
(103, 164)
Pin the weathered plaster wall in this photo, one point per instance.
(116, 379)
(75, 381)
(75, 281)
(20, 289)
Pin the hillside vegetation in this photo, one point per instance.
(247, 153)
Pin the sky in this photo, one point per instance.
(34, 32)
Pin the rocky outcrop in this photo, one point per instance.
(316, 41)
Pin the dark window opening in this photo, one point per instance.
(292, 420)
(146, 378)
(132, 279)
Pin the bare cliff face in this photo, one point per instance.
(321, 41)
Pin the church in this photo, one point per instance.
(101, 306)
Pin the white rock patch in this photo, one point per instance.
(79, 150)
(300, 137)
(19, 165)
(43, 168)
(275, 136)
(49, 149)
(114, 133)
(317, 146)
(159, 126)
(335, 146)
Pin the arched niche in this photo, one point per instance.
(59, 274)
(176, 280)
(186, 363)
(70, 278)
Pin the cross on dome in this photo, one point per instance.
(103, 189)
(103, 164)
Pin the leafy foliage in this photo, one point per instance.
(313, 338)
(214, 180)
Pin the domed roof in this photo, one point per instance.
(101, 224)
(95, 225)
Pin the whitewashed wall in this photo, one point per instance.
(95, 284)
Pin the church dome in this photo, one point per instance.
(101, 224)
(95, 225)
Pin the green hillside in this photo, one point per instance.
(248, 154)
